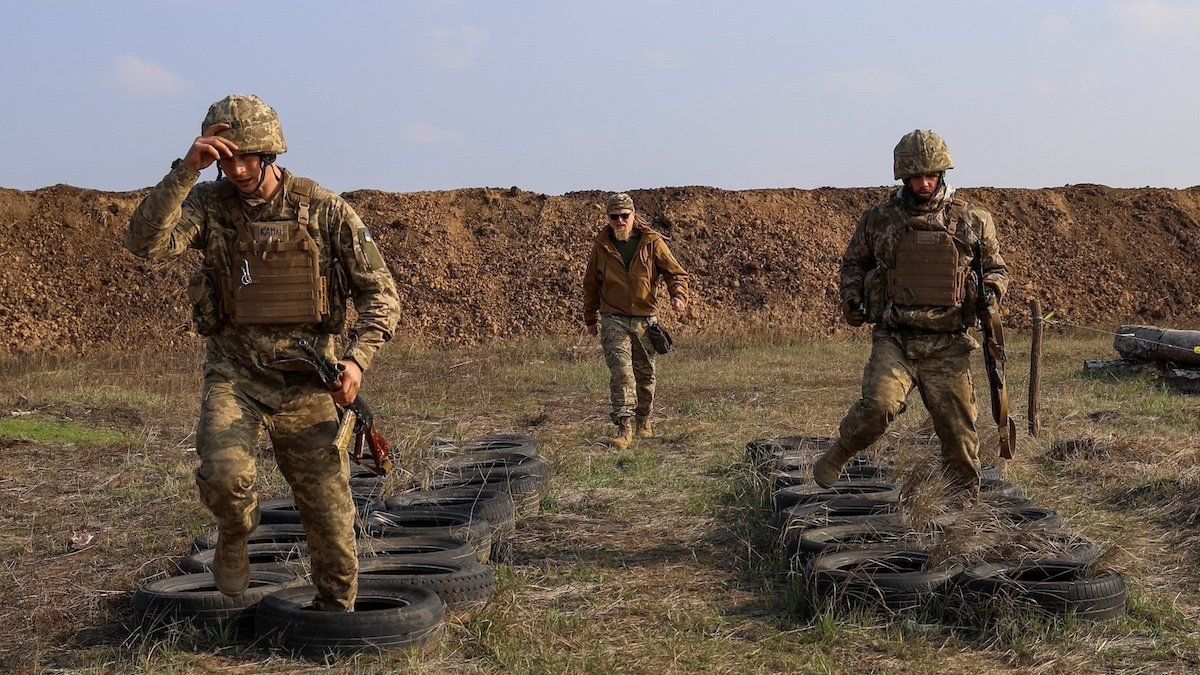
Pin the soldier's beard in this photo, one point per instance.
(918, 198)
(623, 232)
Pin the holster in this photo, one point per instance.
(660, 339)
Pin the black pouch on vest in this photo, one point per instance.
(660, 339)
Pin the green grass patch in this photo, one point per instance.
(57, 433)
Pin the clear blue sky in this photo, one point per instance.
(559, 96)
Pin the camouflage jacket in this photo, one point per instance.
(177, 214)
(872, 251)
(610, 288)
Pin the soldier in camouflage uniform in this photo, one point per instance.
(281, 256)
(908, 270)
(623, 271)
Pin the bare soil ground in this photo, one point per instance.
(648, 560)
(478, 265)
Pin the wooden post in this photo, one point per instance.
(1035, 366)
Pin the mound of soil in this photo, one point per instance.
(477, 265)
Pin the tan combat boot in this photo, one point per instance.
(642, 428)
(231, 564)
(828, 468)
(624, 435)
(231, 560)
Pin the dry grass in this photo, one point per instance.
(648, 560)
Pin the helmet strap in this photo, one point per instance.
(264, 162)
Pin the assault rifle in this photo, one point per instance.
(993, 360)
(357, 422)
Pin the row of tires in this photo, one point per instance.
(857, 546)
(423, 556)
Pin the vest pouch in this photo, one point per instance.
(277, 277)
(927, 271)
(874, 295)
(206, 307)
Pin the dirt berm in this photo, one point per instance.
(477, 265)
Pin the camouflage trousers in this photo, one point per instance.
(944, 379)
(301, 432)
(630, 359)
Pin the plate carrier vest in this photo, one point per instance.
(927, 270)
(274, 275)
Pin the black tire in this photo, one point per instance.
(866, 472)
(990, 473)
(444, 524)
(386, 618)
(991, 489)
(194, 598)
(373, 487)
(1054, 587)
(819, 540)
(794, 520)
(812, 493)
(494, 505)
(464, 586)
(854, 472)
(762, 450)
(519, 444)
(1031, 516)
(1008, 502)
(268, 557)
(290, 533)
(890, 579)
(526, 491)
(489, 466)
(430, 548)
(284, 510)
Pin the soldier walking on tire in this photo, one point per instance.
(908, 270)
(281, 257)
(627, 261)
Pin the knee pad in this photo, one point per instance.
(886, 410)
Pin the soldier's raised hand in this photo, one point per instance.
(209, 147)
(678, 304)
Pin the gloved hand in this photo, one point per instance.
(853, 310)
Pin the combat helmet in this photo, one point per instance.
(254, 125)
(921, 152)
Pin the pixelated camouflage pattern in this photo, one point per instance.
(920, 152)
(301, 433)
(618, 201)
(630, 359)
(942, 374)
(254, 125)
(175, 216)
(872, 251)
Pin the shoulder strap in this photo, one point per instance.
(300, 193)
(955, 213)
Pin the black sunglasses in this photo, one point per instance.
(620, 216)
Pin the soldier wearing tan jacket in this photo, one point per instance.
(627, 261)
